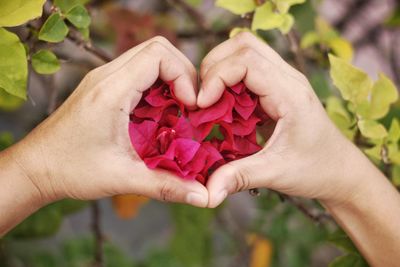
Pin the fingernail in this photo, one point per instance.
(196, 199)
(220, 197)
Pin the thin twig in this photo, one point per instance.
(297, 52)
(75, 37)
(317, 217)
(98, 236)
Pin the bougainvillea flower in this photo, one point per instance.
(189, 143)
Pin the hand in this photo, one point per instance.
(306, 155)
(83, 151)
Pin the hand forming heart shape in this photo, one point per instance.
(189, 143)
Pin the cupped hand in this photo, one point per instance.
(83, 150)
(306, 155)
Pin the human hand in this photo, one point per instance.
(306, 155)
(83, 150)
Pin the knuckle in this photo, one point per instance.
(155, 47)
(160, 39)
(244, 37)
(242, 178)
(246, 53)
(166, 192)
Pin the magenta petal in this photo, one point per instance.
(142, 136)
(239, 88)
(223, 108)
(184, 150)
(244, 127)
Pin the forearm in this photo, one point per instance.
(19, 197)
(371, 217)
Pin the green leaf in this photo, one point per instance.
(320, 84)
(45, 62)
(9, 102)
(54, 29)
(283, 6)
(13, 65)
(394, 153)
(372, 129)
(67, 5)
(6, 140)
(85, 33)
(394, 131)
(17, 12)
(341, 47)
(396, 175)
(44, 222)
(287, 23)
(342, 241)
(265, 18)
(350, 260)
(394, 19)
(384, 93)
(237, 7)
(78, 16)
(353, 84)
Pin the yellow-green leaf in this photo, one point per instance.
(372, 129)
(238, 7)
(353, 84)
(54, 29)
(394, 153)
(17, 12)
(396, 175)
(13, 64)
(384, 93)
(340, 117)
(394, 131)
(374, 152)
(265, 18)
(283, 6)
(237, 30)
(309, 39)
(45, 62)
(287, 23)
(9, 102)
(342, 48)
(78, 16)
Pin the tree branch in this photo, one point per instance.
(98, 235)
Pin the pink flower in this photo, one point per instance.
(167, 135)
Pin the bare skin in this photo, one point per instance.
(306, 155)
(83, 150)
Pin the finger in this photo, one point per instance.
(109, 68)
(240, 41)
(144, 68)
(274, 86)
(164, 186)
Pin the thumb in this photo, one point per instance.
(247, 173)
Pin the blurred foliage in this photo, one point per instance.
(366, 111)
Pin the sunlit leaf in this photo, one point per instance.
(374, 152)
(394, 131)
(265, 18)
(283, 6)
(384, 93)
(372, 129)
(341, 48)
(13, 65)
(237, 7)
(309, 39)
(54, 29)
(17, 12)
(9, 102)
(237, 30)
(79, 17)
(45, 62)
(394, 153)
(340, 116)
(396, 175)
(353, 84)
